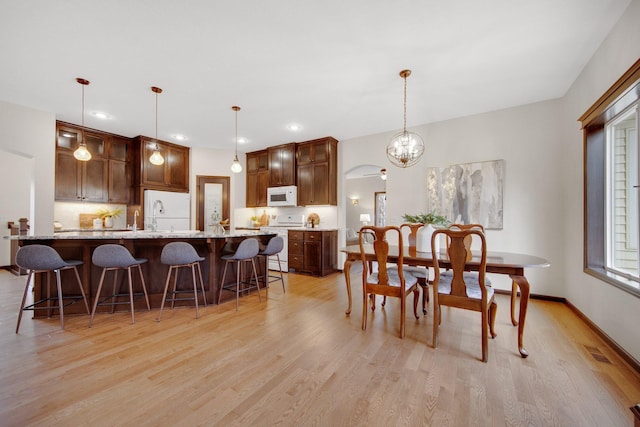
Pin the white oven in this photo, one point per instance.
(282, 196)
(281, 226)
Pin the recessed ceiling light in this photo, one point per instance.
(294, 127)
(100, 115)
(179, 137)
(242, 140)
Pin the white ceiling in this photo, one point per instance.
(330, 65)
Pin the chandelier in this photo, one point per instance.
(405, 148)
(236, 167)
(156, 158)
(82, 153)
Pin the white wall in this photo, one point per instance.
(30, 134)
(534, 171)
(614, 311)
(210, 162)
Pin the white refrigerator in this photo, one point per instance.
(172, 210)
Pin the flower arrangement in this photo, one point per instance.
(429, 218)
(107, 213)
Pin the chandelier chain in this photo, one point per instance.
(405, 105)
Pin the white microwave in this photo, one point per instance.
(282, 196)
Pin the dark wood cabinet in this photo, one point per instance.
(317, 172)
(257, 178)
(313, 252)
(282, 165)
(172, 175)
(119, 170)
(77, 180)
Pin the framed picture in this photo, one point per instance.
(380, 208)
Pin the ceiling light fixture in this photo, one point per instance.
(81, 152)
(405, 148)
(236, 167)
(383, 174)
(100, 115)
(156, 158)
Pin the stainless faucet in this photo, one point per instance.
(154, 220)
(135, 220)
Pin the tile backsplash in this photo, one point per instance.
(68, 213)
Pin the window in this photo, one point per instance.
(622, 195)
(611, 205)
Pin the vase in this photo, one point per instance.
(423, 238)
(108, 222)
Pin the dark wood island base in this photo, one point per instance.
(143, 245)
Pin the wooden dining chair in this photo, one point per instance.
(390, 279)
(460, 288)
(421, 273)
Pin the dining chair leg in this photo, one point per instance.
(403, 311)
(485, 335)
(365, 309)
(416, 295)
(493, 309)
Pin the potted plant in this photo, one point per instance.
(107, 216)
(425, 226)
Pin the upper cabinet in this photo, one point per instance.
(91, 181)
(172, 175)
(257, 178)
(317, 172)
(282, 165)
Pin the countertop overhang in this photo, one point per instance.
(142, 234)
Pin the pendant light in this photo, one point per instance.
(405, 148)
(156, 158)
(236, 167)
(82, 153)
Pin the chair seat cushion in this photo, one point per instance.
(470, 279)
(418, 272)
(468, 276)
(394, 279)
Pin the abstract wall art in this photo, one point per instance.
(470, 193)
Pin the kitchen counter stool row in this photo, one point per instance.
(112, 258)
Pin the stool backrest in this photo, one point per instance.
(247, 249)
(112, 255)
(275, 246)
(39, 257)
(179, 253)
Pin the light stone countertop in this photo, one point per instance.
(142, 234)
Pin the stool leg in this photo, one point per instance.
(95, 302)
(281, 276)
(266, 276)
(24, 298)
(238, 283)
(115, 290)
(195, 287)
(164, 295)
(175, 286)
(204, 295)
(84, 297)
(224, 273)
(133, 319)
(60, 304)
(49, 312)
(257, 281)
(144, 288)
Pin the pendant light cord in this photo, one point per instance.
(236, 134)
(405, 104)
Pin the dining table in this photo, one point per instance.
(508, 263)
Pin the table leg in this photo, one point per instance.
(347, 278)
(523, 284)
(514, 293)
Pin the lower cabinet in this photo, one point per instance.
(313, 252)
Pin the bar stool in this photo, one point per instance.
(274, 247)
(44, 259)
(112, 257)
(246, 251)
(177, 255)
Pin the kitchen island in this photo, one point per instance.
(144, 244)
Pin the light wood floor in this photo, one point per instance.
(297, 360)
